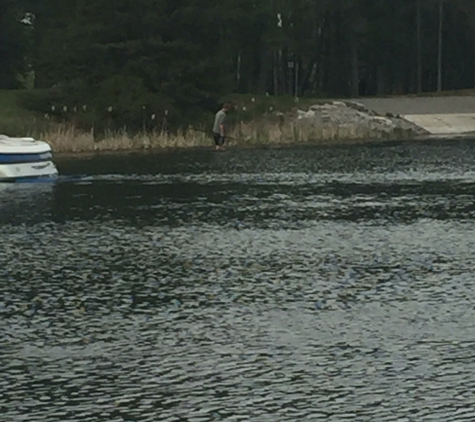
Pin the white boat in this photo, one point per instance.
(25, 160)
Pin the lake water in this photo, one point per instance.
(256, 285)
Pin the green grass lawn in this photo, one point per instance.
(9, 104)
(261, 103)
(16, 120)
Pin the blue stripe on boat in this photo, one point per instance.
(24, 158)
(30, 179)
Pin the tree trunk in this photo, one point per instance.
(381, 80)
(439, 58)
(419, 49)
(263, 70)
(238, 72)
(276, 75)
(355, 79)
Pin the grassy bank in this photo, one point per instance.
(254, 122)
(258, 120)
(259, 133)
(15, 120)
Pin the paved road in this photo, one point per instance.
(422, 105)
(452, 115)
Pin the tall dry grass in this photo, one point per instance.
(70, 139)
(65, 138)
(294, 131)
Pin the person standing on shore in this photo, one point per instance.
(219, 134)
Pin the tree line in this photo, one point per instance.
(122, 59)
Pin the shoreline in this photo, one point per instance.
(324, 123)
(231, 144)
(273, 122)
(210, 148)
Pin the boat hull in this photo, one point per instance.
(25, 160)
(28, 172)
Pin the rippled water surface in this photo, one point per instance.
(256, 285)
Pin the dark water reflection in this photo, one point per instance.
(267, 285)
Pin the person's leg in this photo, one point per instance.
(222, 140)
(216, 140)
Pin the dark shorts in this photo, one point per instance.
(218, 139)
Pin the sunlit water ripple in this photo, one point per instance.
(264, 285)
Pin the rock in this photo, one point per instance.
(339, 104)
(306, 114)
(352, 120)
(356, 106)
(383, 120)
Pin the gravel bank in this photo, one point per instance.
(353, 120)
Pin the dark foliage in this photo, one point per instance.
(124, 62)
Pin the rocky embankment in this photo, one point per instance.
(352, 120)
